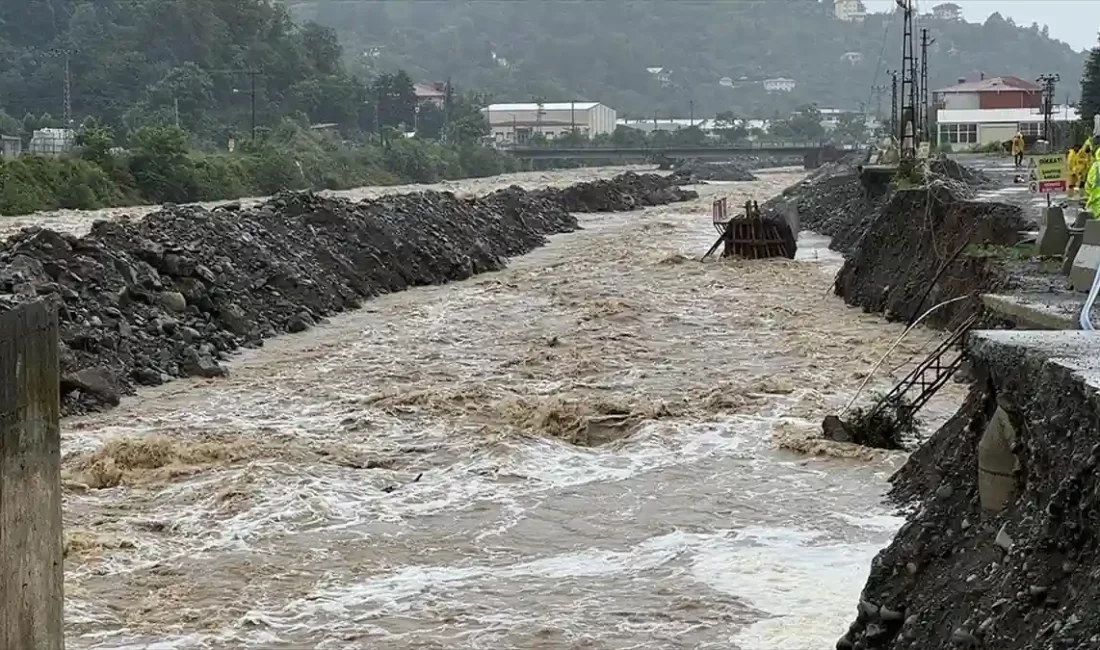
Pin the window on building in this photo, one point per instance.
(959, 133)
(1031, 128)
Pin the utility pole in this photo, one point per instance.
(1048, 81)
(252, 79)
(907, 129)
(691, 112)
(893, 102)
(878, 91)
(176, 110)
(68, 94)
(573, 117)
(448, 101)
(926, 107)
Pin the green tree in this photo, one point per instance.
(803, 124)
(160, 166)
(396, 99)
(851, 127)
(1090, 86)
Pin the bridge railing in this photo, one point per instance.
(777, 145)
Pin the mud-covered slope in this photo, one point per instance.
(1023, 577)
(172, 295)
(914, 254)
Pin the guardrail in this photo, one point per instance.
(747, 146)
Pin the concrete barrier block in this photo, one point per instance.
(1087, 259)
(1053, 233)
(30, 481)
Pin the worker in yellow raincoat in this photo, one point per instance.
(1092, 187)
(1018, 149)
(1084, 161)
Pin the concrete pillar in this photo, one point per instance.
(790, 213)
(30, 481)
(996, 462)
(1087, 259)
(1053, 233)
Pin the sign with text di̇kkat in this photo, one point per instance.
(1047, 174)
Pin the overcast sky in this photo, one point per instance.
(1073, 21)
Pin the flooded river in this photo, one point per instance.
(586, 450)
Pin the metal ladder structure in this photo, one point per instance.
(749, 237)
(929, 375)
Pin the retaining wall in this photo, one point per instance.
(1002, 544)
(30, 481)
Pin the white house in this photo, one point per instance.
(947, 11)
(779, 85)
(517, 123)
(51, 142)
(973, 127)
(852, 11)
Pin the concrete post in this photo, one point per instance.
(1074, 243)
(1053, 233)
(996, 462)
(30, 481)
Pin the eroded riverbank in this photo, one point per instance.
(281, 507)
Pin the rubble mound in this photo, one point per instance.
(172, 295)
(1020, 578)
(694, 171)
(948, 168)
(832, 202)
(915, 253)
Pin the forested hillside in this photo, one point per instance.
(600, 50)
(138, 62)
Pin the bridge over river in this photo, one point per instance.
(813, 153)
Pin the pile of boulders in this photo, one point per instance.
(694, 171)
(176, 293)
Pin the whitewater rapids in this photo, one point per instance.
(590, 449)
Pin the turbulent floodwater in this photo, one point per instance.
(586, 450)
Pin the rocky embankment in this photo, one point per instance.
(922, 249)
(908, 249)
(175, 294)
(1001, 548)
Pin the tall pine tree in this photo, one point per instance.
(1090, 87)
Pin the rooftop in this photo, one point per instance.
(428, 90)
(998, 115)
(548, 106)
(993, 84)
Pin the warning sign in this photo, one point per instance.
(1047, 174)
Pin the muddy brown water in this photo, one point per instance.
(590, 449)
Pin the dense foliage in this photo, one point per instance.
(159, 167)
(1090, 87)
(160, 89)
(600, 51)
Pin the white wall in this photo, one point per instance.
(953, 101)
(990, 133)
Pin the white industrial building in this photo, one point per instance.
(518, 123)
(52, 142)
(965, 128)
(779, 85)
